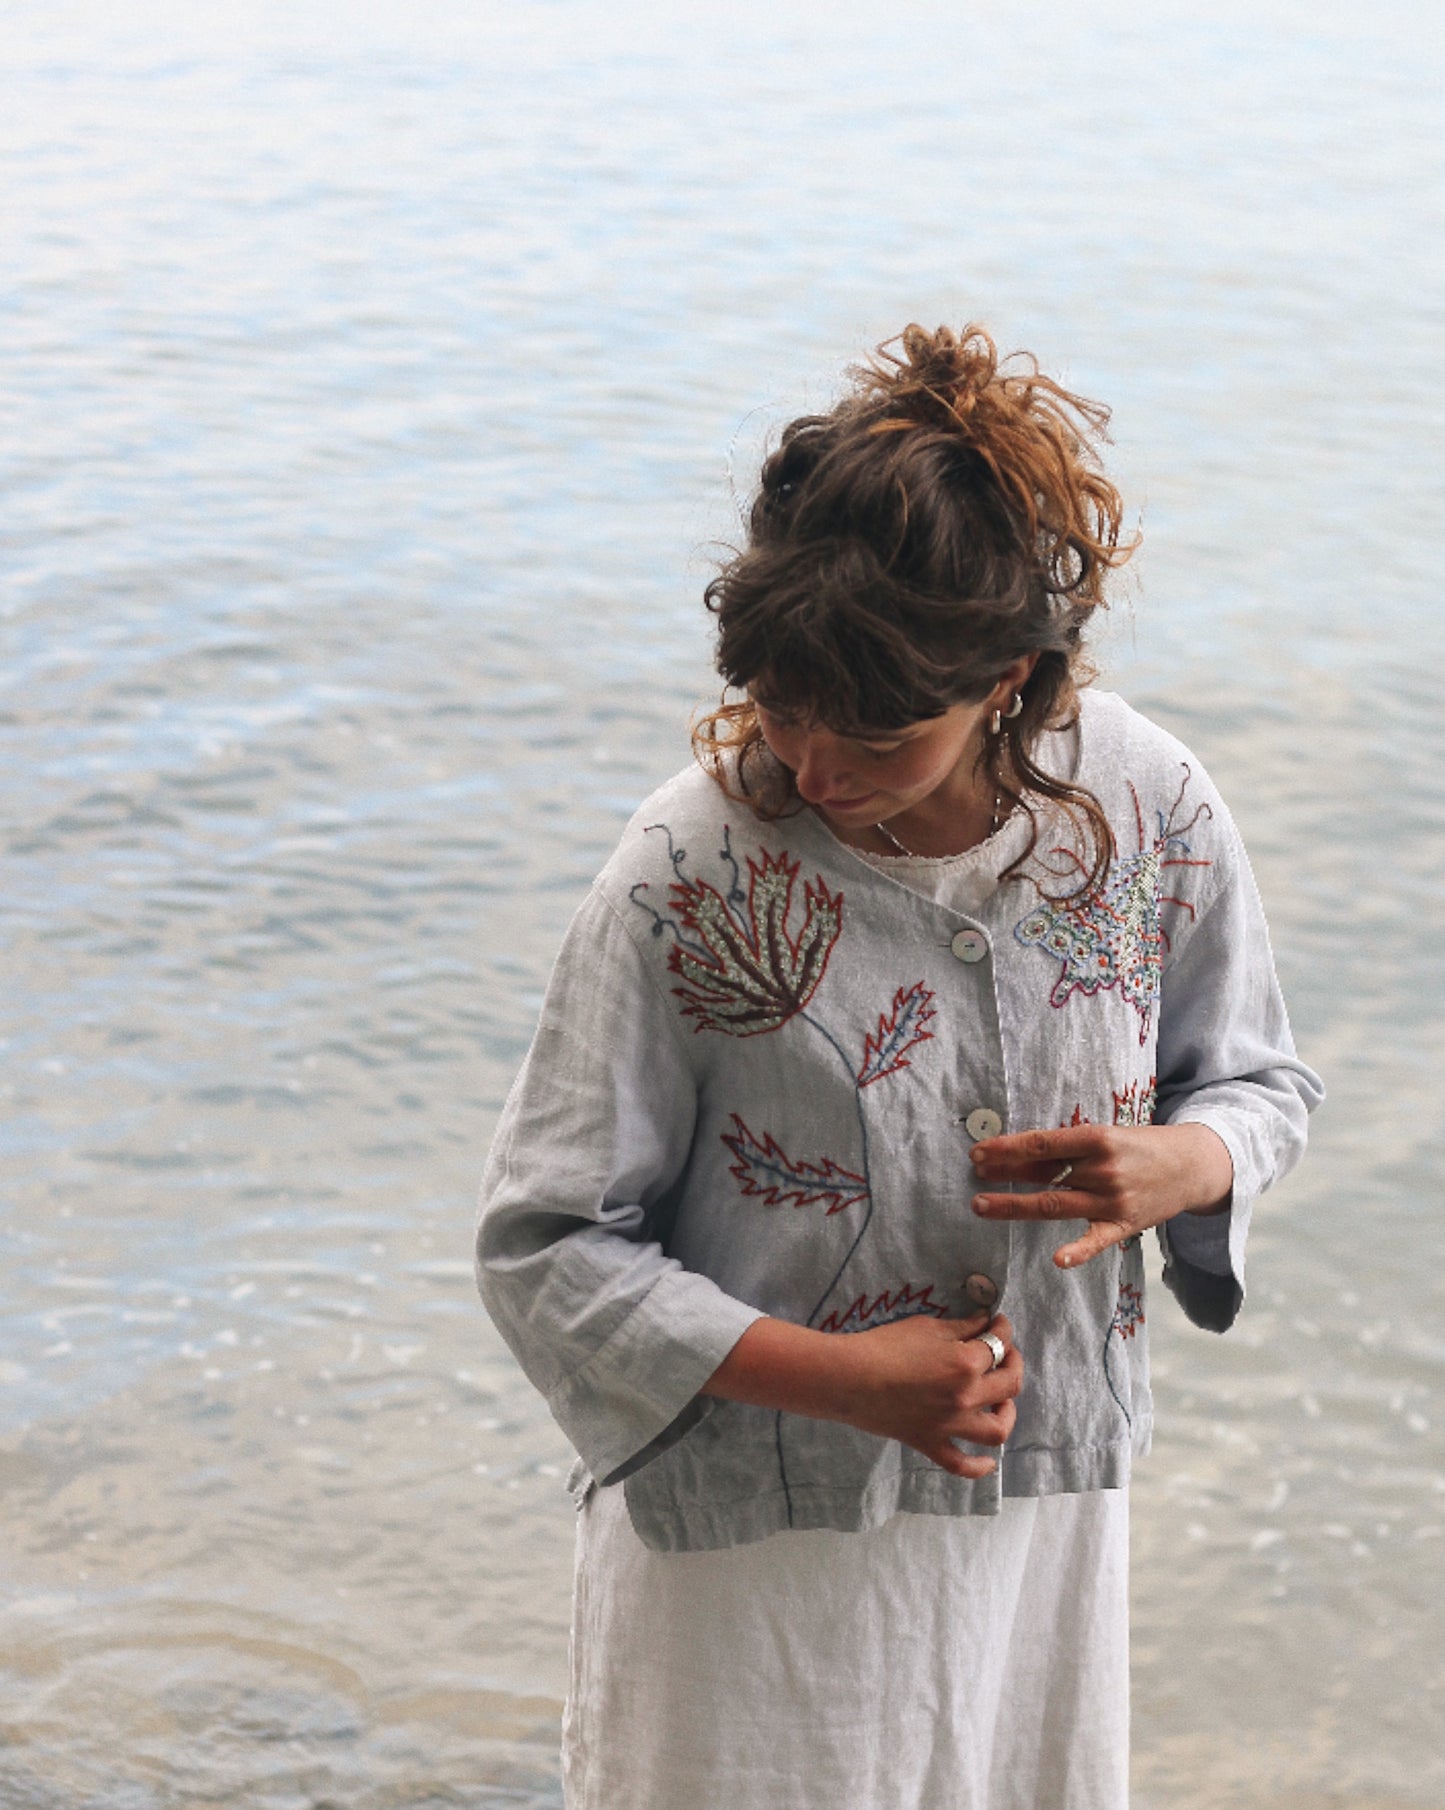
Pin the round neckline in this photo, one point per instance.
(964, 854)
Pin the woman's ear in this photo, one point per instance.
(1013, 677)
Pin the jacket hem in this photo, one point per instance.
(701, 1525)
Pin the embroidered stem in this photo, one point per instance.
(1109, 1380)
(736, 895)
(844, 1058)
(661, 923)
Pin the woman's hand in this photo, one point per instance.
(924, 1381)
(929, 1382)
(1121, 1178)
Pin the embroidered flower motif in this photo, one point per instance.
(1127, 1318)
(1135, 1106)
(755, 975)
(765, 1169)
(884, 1051)
(1111, 936)
(904, 1303)
(1129, 1314)
(745, 972)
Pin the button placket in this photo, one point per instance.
(981, 1291)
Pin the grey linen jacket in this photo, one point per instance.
(753, 1087)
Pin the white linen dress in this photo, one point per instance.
(934, 1663)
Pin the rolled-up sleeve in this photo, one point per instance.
(596, 1131)
(1227, 1060)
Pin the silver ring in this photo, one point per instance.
(997, 1349)
(1062, 1176)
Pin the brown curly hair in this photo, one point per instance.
(947, 516)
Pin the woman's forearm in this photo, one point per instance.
(776, 1364)
(927, 1382)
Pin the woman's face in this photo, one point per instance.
(856, 781)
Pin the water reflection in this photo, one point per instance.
(377, 387)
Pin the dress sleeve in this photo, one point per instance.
(1227, 1060)
(618, 1336)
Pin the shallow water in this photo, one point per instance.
(372, 381)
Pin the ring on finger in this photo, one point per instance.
(997, 1349)
(1062, 1176)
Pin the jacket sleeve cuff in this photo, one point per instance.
(639, 1392)
(1204, 1252)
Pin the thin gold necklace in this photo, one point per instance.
(884, 831)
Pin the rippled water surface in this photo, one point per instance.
(370, 376)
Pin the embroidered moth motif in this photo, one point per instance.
(752, 975)
(905, 1303)
(764, 1169)
(884, 1051)
(1111, 936)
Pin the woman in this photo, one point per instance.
(932, 948)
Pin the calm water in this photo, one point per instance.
(370, 376)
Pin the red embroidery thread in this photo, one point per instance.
(765, 1169)
(755, 975)
(899, 1030)
(904, 1303)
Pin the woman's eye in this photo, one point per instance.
(882, 753)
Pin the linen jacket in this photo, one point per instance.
(757, 1074)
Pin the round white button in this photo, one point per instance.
(981, 1290)
(970, 945)
(983, 1122)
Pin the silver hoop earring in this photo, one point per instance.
(1017, 707)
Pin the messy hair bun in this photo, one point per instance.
(1036, 439)
(947, 516)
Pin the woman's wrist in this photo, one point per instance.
(1211, 1168)
(777, 1364)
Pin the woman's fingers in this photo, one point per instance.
(1049, 1203)
(939, 1384)
(991, 1428)
(1060, 1203)
(986, 1426)
(971, 1327)
(1000, 1383)
(966, 1331)
(950, 1458)
(1035, 1155)
(989, 1382)
(1101, 1236)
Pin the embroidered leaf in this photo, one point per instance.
(755, 976)
(765, 1169)
(884, 1052)
(904, 1303)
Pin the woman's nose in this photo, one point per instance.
(821, 772)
